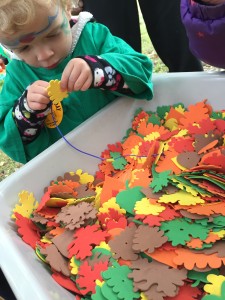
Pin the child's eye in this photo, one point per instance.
(23, 49)
(53, 35)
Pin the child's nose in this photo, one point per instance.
(44, 53)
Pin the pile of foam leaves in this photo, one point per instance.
(150, 223)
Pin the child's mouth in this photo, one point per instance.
(52, 66)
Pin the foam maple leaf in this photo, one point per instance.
(111, 215)
(119, 162)
(84, 240)
(160, 180)
(179, 231)
(117, 147)
(195, 114)
(28, 230)
(140, 117)
(182, 144)
(87, 275)
(106, 167)
(149, 128)
(205, 126)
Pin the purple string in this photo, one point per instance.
(62, 135)
(84, 152)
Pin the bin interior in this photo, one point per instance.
(25, 273)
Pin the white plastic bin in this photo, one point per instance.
(26, 274)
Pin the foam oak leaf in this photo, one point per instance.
(27, 204)
(116, 277)
(182, 197)
(214, 284)
(145, 207)
(216, 297)
(147, 274)
(148, 238)
(55, 259)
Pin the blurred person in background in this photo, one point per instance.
(205, 25)
(163, 23)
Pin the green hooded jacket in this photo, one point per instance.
(93, 39)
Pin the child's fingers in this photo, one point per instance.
(37, 101)
(37, 96)
(76, 76)
(66, 77)
(83, 82)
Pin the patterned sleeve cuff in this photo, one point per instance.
(104, 75)
(28, 121)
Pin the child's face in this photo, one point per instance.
(44, 42)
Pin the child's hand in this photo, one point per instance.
(37, 95)
(214, 2)
(77, 76)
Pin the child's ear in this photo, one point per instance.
(68, 11)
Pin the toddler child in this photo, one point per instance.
(94, 67)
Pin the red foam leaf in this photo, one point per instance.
(87, 276)
(220, 125)
(186, 292)
(65, 282)
(28, 230)
(44, 200)
(85, 239)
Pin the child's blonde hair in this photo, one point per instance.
(17, 13)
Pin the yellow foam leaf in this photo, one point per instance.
(74, 267)
(171, 124)
(182, 197)
(103, 245)
(84, 177)
(145, 207)
(215, 284)
(111, 203)
(180, 109)
(27, 204)
(220, 233)
(143, 297)
(185, 187)
(54, 91)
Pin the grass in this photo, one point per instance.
(8, 166)
(148, 49)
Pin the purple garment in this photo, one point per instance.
(205, 27)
